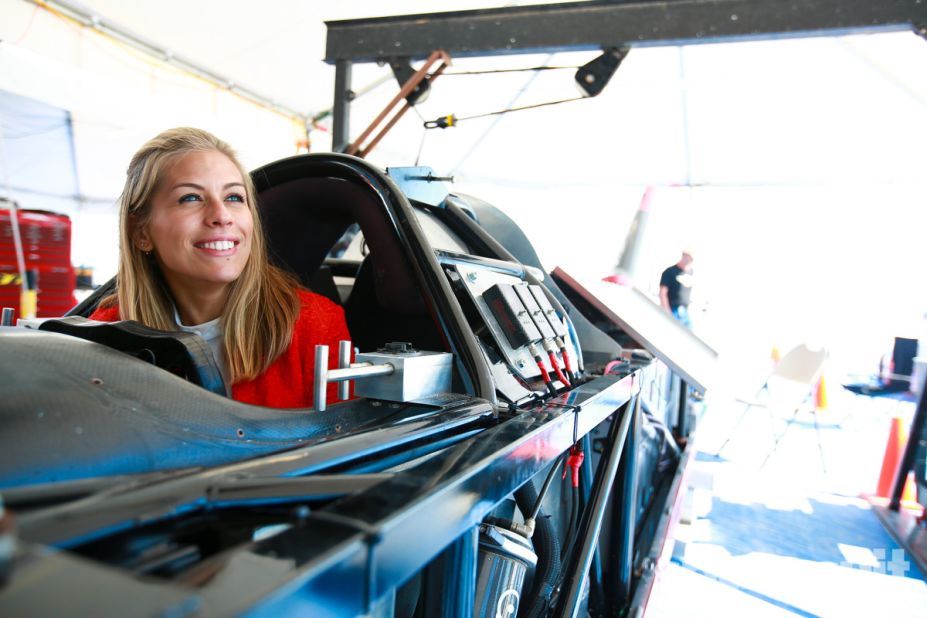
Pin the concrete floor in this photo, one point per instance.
(791, 537)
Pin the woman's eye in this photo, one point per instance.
(190, 197)
(236, 197)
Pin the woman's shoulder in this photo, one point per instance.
(106, 313)
(310, 301)
(318, 312)
(308, 297)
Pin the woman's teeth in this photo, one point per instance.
(219, 245)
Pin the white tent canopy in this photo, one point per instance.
(795, 165)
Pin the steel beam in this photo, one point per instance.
(619, 588)
(594, 25)
(450, 580)
(341, 108)
(591, 526)
(682, 428)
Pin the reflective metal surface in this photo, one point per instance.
(428, 504)
(416, 375)
(109, 511)
(649, 325)
(339, 560)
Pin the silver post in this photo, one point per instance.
(344, 361)
(321, 377)
(7, 319)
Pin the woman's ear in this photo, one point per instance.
(142, 240)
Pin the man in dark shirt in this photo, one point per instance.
(675, 288)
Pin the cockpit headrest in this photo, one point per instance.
(303, 218)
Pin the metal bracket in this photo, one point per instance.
(346, 371)
(593, 76)
(403, 72)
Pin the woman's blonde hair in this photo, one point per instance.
(262, 305)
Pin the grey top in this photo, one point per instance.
(211, 332)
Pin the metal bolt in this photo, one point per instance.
(521, 364)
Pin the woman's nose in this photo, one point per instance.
(217, 213)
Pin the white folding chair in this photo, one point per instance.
(788, 388)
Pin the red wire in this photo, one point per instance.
(540, 361)
(556, 366)
(573, 463)
(543, 369)
(566, 359)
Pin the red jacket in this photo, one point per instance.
(288, 382)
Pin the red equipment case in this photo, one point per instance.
(46, 239)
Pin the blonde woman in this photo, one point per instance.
(192, 258)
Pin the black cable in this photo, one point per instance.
(421, 144)
(575, 514)
(550, 477)
(490, 127)
(547, 547)
(523, 107)
(567, 537)
(451, 120)
(570, 542)
(570, 539)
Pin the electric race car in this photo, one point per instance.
(513, 445)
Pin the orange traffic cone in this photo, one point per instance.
(820, 395)
(897, 439)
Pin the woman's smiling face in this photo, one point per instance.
(200, 225)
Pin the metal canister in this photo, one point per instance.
(505, 558)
